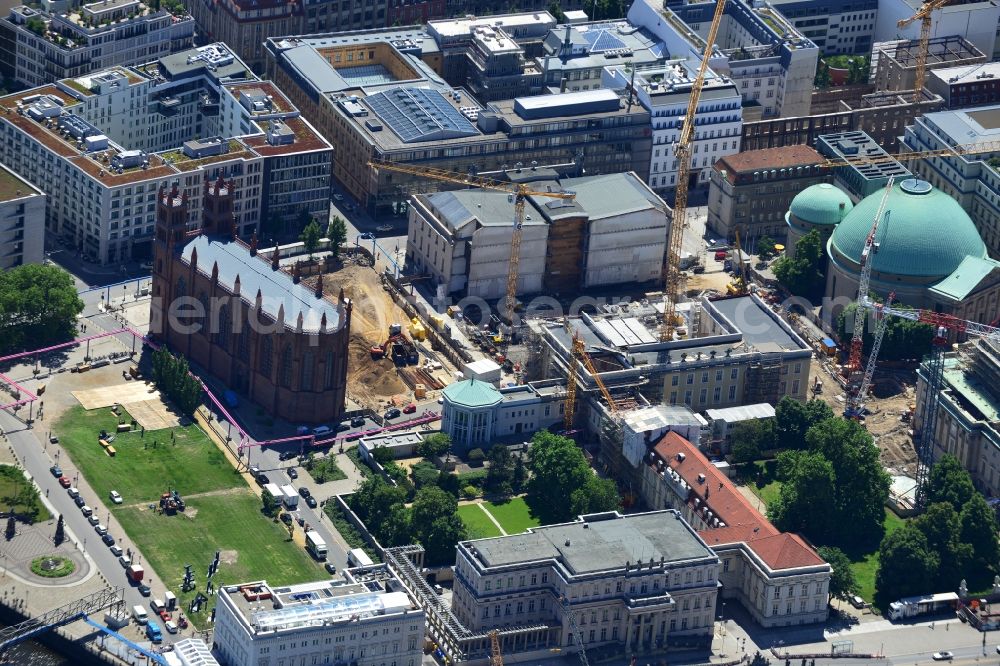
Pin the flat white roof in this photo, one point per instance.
(761, 410)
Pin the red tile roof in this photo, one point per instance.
(743, 522)
(768, 158)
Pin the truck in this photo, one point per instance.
(289, 497)
(135, 573)
(929, 603)
(316, 545)
(139, 615)
(359, 558)
(274, 490)
(153, 632)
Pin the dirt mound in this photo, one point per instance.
(372, 312)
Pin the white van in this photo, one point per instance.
(139, 615)
(156, 605)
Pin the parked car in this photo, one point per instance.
(93, 519)
(72, 492)
(944, 655)
(287, 455)
(126, 562)
(358, 422)
(285, 517)
(367, 236)
(343, 427)
(86, 510)
(143, 590)
(311, 502)
(857, 601)
(330, 568)
(304, 492)
(115, 549)
(391, 414)
(115, 497)
(322, 430)
(302, 430)
(254, 471)
(170, 627)
(438, 589)
(101, 529)
(79, 501)
(293, 473)
(64, 482)
(410, 408)
(108, 539)
(56, 471)
(262, 480)
(384, 227)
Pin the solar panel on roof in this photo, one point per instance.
(602, 40)
(420, 114)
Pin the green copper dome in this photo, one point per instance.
(926, 233)
(821, 204)
(472, 393)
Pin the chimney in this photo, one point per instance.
(295, 272)
(253, 244)
(319, 286)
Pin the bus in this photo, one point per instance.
(315, 545)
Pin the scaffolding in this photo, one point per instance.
(934, 368)
(763, 380)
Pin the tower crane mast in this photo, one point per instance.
(578, 354)
(924, 15)
(682, 150)
(520, 192)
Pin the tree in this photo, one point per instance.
(858, 69)
(765, 247)
(556, 10)
(38, 305)
(449, 483)
(806, 496)
(424, 474)
(172, 376)
(597, 495)
(60, 535)
(500, 475)
(434, 445)
(843, 584)
(435, 524)
(520, 474)
(903, 339)
(310, 236)
(751, 437)
(35, 25)
(395, 530)
(374, 499)
(792, 420)
(906, 565)
(823, 78)
(558, 468)
(337, 233)
(11, 526)
(979, 533)
(271, 506)
(942, 527)
(803, 275)
(862, 484)
(949, 482)
(382, 455)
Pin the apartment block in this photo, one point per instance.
(966, 85)
(665, 93)
(837, 27)
(102, 145)
(39, 47)
(777, 577)
(368, 617)
(635, 582)
(967, 412)
(750, 192)
(767, 58)
(22, 221)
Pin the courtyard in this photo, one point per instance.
(489, 519)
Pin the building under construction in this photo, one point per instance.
(731, 352)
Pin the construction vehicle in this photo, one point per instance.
(519, 192)
(853, 368)
(579, 355)
(398, 346)
(740, 285)
(682, 149)
(924, 14)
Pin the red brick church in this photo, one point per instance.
(240, 316)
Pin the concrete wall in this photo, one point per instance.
(490, 258)
(626, 248)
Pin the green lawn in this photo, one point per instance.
(477, 524)
(230, 522)
(865, 565)
(515, 516)
(768, 493)
(141, 472)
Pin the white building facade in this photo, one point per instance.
(976, 21)
(22, 230)
(88, 38)
(369, 618)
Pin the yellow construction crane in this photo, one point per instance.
(520, 192)
(683, 152)
(496, 659)
(578, 352)
(960, 149)
(924, 15)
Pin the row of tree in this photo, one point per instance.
(804, 274)
(954, 539)
(172, 376)
(903, 339)
(38, 305)
(562, 484)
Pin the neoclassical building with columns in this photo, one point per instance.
(242, 317)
